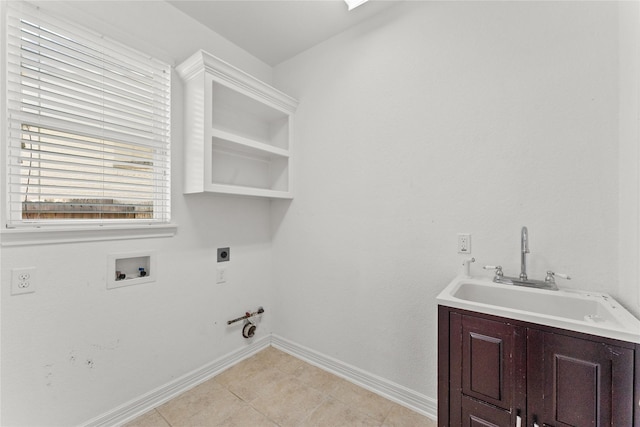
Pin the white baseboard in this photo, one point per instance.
(162, 394)
(395, 392)
(385, 388)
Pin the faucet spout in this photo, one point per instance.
(524, 250)
(523, 280)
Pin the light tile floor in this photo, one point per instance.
(274, 389)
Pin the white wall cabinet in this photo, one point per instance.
(238, 136)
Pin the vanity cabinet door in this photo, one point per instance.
(490, 379)
(480, 414)
(492, 361)
(576, 382)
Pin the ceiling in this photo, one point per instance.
(276, 30)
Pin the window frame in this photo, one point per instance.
(68, 230)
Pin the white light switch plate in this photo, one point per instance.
(221, 275)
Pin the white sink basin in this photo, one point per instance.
(589, 312)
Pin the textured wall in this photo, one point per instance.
(432, 119)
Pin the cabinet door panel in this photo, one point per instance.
(485, 366)
(576, 391)
(478, 414)
(578, 383)
(491, 360)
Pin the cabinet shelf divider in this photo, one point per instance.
(249, 143)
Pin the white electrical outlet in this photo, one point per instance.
(464, 243)
(23, 280)
(221, 275)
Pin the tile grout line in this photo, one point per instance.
(249, 404)
(325, 397)
(162, 416)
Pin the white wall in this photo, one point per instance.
(75, 350)
(436, 118)
(629, 154)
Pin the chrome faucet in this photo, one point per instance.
(548, 283)
(524, 250)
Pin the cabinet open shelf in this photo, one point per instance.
(238, 137)
(241, 165)
(247, 143)
(239, 190)
(249, 117)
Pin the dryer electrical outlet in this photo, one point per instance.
(224, 254)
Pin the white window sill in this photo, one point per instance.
(55, 235)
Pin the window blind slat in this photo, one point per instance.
(50, 135)
(97, 190)
(120, 54)
(84, 192)
(76, 87)
(102, 165)
(35, 55)
(88, 126)
(105, 168)
(63, 54)
(78, 67)
(77, 108)
(77, 117)
(54, 90)
(88, 164)
(78, 72)
(88, 175)
(39, 72)
(49, 193)
(76, 160)
(90, 130)
(88, 204)
(64, 198)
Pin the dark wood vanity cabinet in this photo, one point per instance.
(500, 372)
(578, 382)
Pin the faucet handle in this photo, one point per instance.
(497, 268)
(551, 277)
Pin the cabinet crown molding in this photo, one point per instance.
(226, 73)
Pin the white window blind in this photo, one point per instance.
(89, 126)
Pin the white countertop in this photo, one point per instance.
(593, 313)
